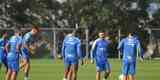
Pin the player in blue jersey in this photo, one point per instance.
(71, 53)
(129, 47)
(3, 53)
(26, 42)
(13, 56)
(99, 53)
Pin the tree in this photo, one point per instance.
(97, 14)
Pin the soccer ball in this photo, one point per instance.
(120, 77)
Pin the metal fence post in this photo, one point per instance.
(87, 42)
(119, 39)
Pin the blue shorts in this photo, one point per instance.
(1, 56)
(3, 59)
(13, 63)
(103, 66)
(69, 62)
(13, 66)
(128, 68)
(25, 54)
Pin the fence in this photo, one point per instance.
(50, 40)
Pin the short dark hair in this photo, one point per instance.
(69, 31)
(101, 31)
(35, 27)
(4, 32)
(130, 31)
(16, 30)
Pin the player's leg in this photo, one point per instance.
(26, 70)
(125, 67)
(132, 70)
(99, 68)
(98, 75)
(125, 77)
(22, 64)
(0, 63)
(107, 70)
(8, 74)
(13, 75)
(0, 60)
(131, 77)
(25, 63)
(66, 69)
(74, 70)
(9, 71)
(70, 73)
(15, 69)
(4, 61)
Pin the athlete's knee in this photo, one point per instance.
(74, 72)
(25, 61)
(75, 67)
(107, 74)
(131, 77)
(8, 75)
(9, 71)
(98, 73)
(14, 75)
(125, 77)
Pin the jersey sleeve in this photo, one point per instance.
(79, 52)
(63, 49)
(139, 49)
(19, 40)
(26, 40)
(1, 41)
(120, 46)
(93, 49)
(9, 41)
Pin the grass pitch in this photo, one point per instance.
(47, 69)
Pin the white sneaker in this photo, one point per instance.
(26, 78)
(64, 79)
(104, 79)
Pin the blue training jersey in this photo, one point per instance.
(26, 39)
(71, 48)
(20, 40)
(99, 50)
(2, 47)
(129, 47)
(14, 42)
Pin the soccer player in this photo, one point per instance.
(13, 56)
(71, 53)
(129, 47)
(3, 53)
(26, 42)
(99, 52)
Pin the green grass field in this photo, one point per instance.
(46, 69)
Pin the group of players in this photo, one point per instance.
(14, 49)
(71, 52)
(17, 46)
